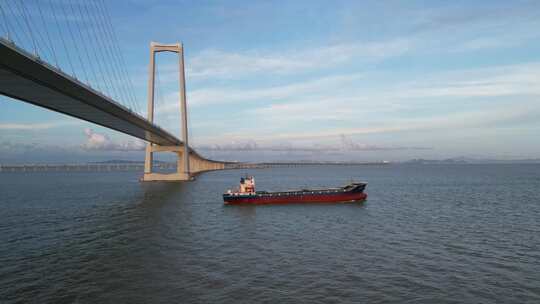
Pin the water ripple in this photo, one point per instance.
(428, 234)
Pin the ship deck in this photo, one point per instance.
(344, 189)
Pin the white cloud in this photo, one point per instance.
(345, 107)
(351, 103)
(97, 141)
(519, 79)
(346, 144)
(36, 126)
(489, 34)
(381, 108)
(338, 91)
(211, 96)
(217, 63)
(451, 122)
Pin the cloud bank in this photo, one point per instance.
(102, 142)
(346, 144)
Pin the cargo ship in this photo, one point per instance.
(246, 194)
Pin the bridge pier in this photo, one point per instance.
(197, 164)
(182, 169)
(180, 175)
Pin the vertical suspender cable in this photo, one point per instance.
(4, 30)
(62, 38)
(48, 36)
(5, 22)
(91, 47)
(122, 61)
(110, 57)
(159, 87)
(17, 25)
(115, 61)
(115, 50)
(15, 36)
(108, 50)
(82, 41)
(42, 44)
(100, 63)
(76, 45)
(101, 49)
(29, 27)
(156, 87)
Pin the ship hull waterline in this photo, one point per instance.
(294, 199)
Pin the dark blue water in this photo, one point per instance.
(426, 234)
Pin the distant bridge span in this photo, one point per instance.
(25, 77)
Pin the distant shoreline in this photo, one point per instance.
(139, 165)
(133, 165)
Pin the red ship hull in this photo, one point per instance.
(350, 193)
(293, 199)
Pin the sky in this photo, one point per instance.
(311, 80)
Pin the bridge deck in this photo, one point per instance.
(25, 77)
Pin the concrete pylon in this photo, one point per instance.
(182, 170)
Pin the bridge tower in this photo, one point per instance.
(183, 172)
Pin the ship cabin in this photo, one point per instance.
(247, 184)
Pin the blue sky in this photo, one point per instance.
(350, 80)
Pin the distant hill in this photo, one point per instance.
(421, 161)
(119, 161)
(468, 160)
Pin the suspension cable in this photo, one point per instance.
(123, 64)
(6, 25)
(75, 44)
(108, 50)
(62, 38)
(93, 67)
(17, 25)
(102, 66)
(42, 31)
(23, 13)
(106, 53)
(159, 87)
(43, 46)
(15, 34)
(116, 56)
(45, 28)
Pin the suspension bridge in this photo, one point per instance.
(91, 83)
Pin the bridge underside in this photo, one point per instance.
(25, 77)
